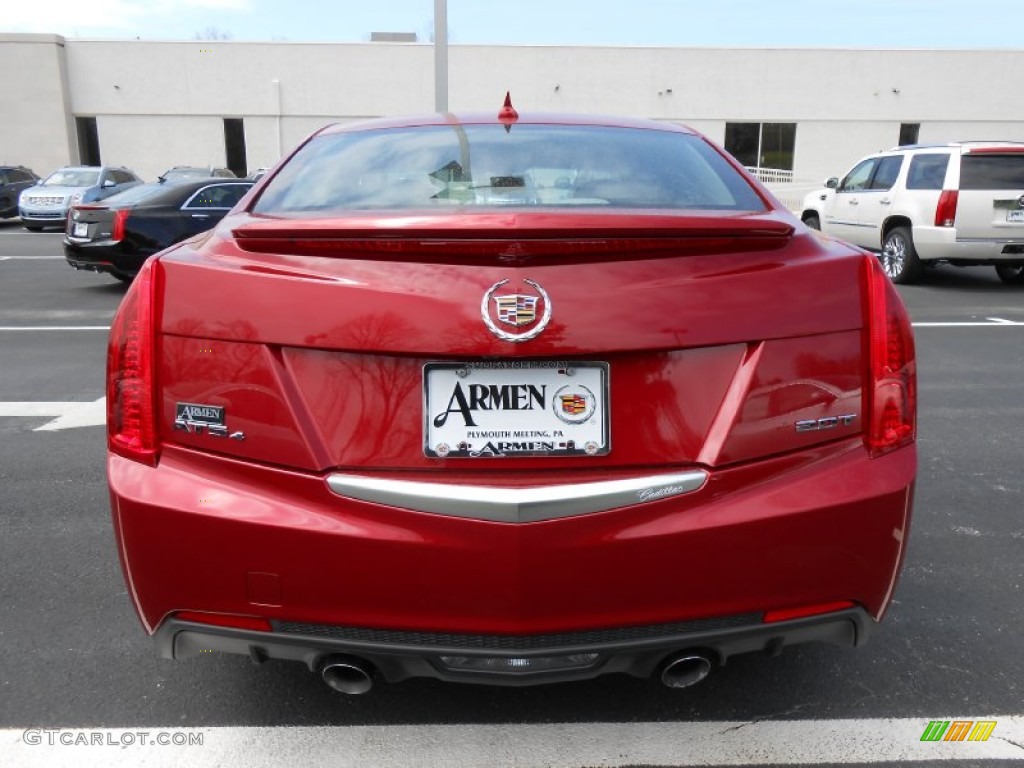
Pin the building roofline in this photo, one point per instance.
(18, 37)
(31, 37)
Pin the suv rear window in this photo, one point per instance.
(485, 166)
(991, 171)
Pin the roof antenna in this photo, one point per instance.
(507, 115)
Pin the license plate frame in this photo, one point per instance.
(1015, 216)
(516, 408)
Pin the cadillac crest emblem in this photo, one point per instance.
(529, 309)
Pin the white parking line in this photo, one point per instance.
(570, 745)
(990, 323)
(54, 327)
(30, 258)
(68, 414)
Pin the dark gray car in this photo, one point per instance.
(14, 179)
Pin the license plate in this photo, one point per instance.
(81, 229)
(1016, 216)
(496, 408)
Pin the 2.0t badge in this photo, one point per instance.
(528, 308)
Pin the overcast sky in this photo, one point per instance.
(831, 23)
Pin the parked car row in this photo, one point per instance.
(46, 202)
(959, 203)
(113, 221)
(918, 206)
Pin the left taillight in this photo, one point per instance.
(891, 395)
(945, 211)
(131, 410)
(120, 217)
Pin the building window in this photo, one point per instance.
(88, 141)
(766, 149)
(909, 133)
(234, 145)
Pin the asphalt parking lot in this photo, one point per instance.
(73, 655)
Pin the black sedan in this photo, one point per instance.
(118, 235)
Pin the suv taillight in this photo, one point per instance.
(945, 211)
(891, 396)
(131, 411)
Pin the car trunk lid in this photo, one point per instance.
(90, 222)
(711, 354)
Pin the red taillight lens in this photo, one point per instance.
(891, 396)
(131, 413)
(945, 211)
(120, 217)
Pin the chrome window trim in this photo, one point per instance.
(186, 205)
(516, 505)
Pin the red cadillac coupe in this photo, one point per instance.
(512, 400)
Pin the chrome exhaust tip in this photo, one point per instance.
(685, 669)
(347, 674)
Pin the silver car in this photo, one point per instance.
(47, 203)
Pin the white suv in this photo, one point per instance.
(959, 203)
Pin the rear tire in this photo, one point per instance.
(899, 257)
(813, 222)
(1009, 273)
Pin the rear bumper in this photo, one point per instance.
(201, 532)
(103, 256)
(397, 656)
(941, 244)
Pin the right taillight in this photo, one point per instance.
(890, 405)
(117, 232)
(945, 211)
(131, 411)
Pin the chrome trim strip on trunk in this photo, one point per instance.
(516, 505)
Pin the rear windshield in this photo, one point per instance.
(992, 172)
(485, 165)
(136, 194)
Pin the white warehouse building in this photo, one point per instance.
(799, 115)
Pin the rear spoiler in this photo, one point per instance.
(515, 236)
